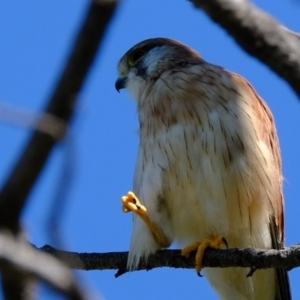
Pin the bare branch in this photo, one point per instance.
(287, 258)
(258, 34)
(17, 253)
(61, 105)
(33, 158)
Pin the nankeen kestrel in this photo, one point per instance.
(208, 170)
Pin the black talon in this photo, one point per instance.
(225, 242)
(251, 272)
(199, 274)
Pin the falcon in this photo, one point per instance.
(208, 171)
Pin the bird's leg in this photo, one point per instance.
(132, 203)
(211, 241)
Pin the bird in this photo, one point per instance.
(208, 170)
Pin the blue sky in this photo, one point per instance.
(35, 39)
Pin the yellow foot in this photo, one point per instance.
(132, 203)
(211, 241)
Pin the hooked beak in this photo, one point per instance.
(121, 83)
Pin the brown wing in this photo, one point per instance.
(268, 133)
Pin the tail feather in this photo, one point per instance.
(283, 290)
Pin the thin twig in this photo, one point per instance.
(14, 115)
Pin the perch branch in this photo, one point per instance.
(287, 258)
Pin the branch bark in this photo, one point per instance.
(258, 34)
(252, 258)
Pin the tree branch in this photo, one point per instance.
(258, 34)
(61, 105)
(17, 253)
(287, 258)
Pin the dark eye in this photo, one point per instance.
(135, 57)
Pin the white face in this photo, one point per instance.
(135, 84)
(148, 67)
(143, 64)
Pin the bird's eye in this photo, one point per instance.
(135, 57)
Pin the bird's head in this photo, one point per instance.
(149, 59)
